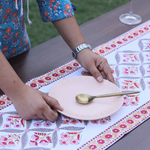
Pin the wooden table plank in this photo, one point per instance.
(55, 52)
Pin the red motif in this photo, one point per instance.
(10, 140)
(108, 136)
(130, 57)
(33, 143)
(148, 107)
(130, 84)
(131, 100)
(2, 102)
(75, 64)
(8, 30)
(130, 121)
(8, 10)
(50, 5)
(33, 84)
(68, 120)
(5, 48)
(101, 51)
(5, 35)
(69, 68)
(67, 6)
(92, 147)
(48, 78)
(70, 138)
(100, 141)
(113, 45)
(14, 14)
(133, 70)
(101, 121)
(115, 130)
(40, 81)
(52, 1)
(40, 138)
(55, 7)
(136, 34)
(137, 116)
(65, 12)
(119, 42)
(13, 51)
(55, 75)
(123, 126)
(58, 3)
(141, 31)
(14, 121)
(108, 48)
(45, 13)
(144, 112)
(124, 39)
(63, 142)
(146, 28)
(62, 71)
(130, 37)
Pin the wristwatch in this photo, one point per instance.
(80, 48)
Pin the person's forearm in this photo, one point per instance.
(9, 80)
(70, 31)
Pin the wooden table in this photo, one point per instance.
(55, 52)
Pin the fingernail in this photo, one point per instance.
(99, 79)
(61, 109)
(82, 73)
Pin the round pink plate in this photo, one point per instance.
(65, 91)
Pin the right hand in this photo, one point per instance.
(97, 65)
(34, 104)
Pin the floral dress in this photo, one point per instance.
(13, 34)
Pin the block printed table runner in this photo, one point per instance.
(129, 58)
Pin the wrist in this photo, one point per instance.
(80, 48)
(13, 89)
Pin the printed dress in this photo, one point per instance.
(13, 34)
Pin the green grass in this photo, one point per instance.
(40, 32)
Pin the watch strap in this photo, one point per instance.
(80, 48)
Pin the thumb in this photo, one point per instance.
(96, 74)
(52, 102)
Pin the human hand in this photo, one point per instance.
(96, 65)
(34, 104)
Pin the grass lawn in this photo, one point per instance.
(40, 32)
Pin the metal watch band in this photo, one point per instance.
(80, 48)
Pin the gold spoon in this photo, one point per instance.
(85, 98)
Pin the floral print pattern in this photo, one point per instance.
(13, 34)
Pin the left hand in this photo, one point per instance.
(96, 65)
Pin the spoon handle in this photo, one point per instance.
(117, 94)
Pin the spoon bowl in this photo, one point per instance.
(85, 98)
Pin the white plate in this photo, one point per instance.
(66, 90)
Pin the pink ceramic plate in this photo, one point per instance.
(66, 90)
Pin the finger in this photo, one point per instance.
(53, 103)
(42, 117)
(36, 117)
(96, 74)
(108, 73)
(84, 73)
(104, 75)
(50, 114)
(102, 72)
(31, 118)
(104, 67)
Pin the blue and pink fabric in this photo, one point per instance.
(13, 33)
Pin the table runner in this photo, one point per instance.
(129, 58)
